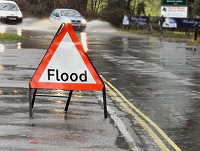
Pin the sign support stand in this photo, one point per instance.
(62, 74)
(68, 100)
(104, 103)
(32, 101)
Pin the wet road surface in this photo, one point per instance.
(83, 127)
(159, 76)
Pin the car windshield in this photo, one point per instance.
(70, 13)
(8, 7)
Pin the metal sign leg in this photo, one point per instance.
(32, 100)
(34, 95)
(30, 103)
(68, 100)
(104, 103)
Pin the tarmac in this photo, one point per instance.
(82, 127)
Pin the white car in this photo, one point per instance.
(10, 12)
(69, 16)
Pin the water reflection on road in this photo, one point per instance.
(2, 48)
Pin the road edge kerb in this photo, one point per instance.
(121, 127)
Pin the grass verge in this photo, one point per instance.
(193, 43)
(187, 37)
(165, 34)
(11, 37)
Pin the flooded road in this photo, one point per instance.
(159, 76)
(82, 128)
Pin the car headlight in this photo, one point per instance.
(3, 14)
(83, 21)
(20, 15)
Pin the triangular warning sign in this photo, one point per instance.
(65, 65)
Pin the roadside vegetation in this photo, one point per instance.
(107, 10)
(193, 43)
(165, 34)
(185, 37)
(112, 11)
(11, 37)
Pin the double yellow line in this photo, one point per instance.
(131, 109)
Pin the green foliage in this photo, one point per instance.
(193, 43)
(114, 12)
(153, 7)
(80, 5)
(141, 8)
(166, 34)
(113, 16)
(96, 6)
(11, 37)
(42, 9)
(196, 7)
(109, 10)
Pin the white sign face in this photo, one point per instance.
(67, 65)
(176, 12)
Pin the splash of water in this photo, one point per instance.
(38, 24)
(99, 26)
(47, 24)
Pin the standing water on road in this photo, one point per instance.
(42, 31)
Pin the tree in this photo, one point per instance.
(35, 2)
(128, 5)
(196, 8)
(40, 7)
(192, 8)
(95, 5)
(115, 4)
(80, 5)
(114, 11)
(141, 8)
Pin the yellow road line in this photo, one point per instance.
(144, 116)
(142, 123)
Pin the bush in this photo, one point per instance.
(115, 17)
(41, 9)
